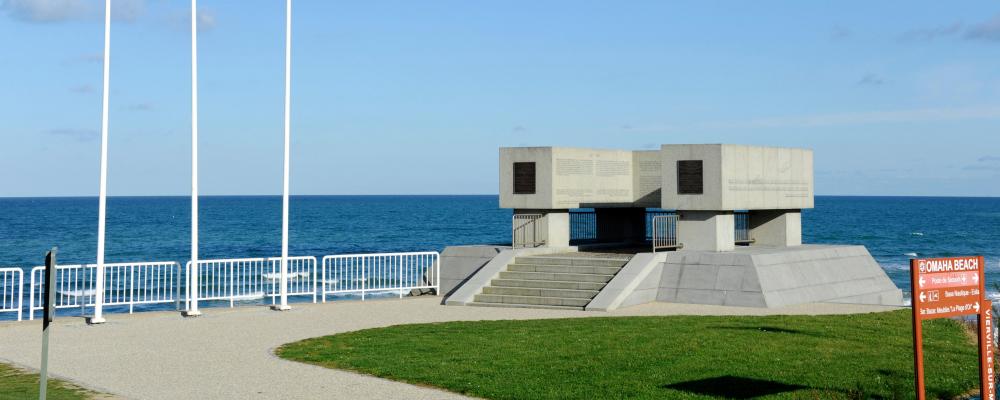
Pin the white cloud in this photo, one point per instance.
(988, 30)
(840, 119)
(206, 20)
(49, 11)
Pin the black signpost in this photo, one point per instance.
(47, 316)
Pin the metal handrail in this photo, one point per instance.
(665, 232)
(522, 225)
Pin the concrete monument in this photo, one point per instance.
(737, 224)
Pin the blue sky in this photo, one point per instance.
(896, 98)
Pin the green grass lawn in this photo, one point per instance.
(18, 384)
(849, 356)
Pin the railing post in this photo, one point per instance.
(232, 290)
(131, 288)
(20, 297)
(399, 277)
(322, 285)
(363, 279)
(31, 296)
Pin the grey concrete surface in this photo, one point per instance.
(228, 353)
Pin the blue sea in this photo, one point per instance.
(158, 228)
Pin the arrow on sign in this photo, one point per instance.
(977, 306)
(923, 296)
(921, 281)
(975, 278)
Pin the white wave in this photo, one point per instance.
(250, 296)
(916, 233)
(273, 276)
(77, 293)
(993, 296)
(910, 254)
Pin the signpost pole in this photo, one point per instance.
(48, 314)
(918, 341)
(987, 383)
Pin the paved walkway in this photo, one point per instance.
(228, 353)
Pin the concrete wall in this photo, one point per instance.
(776, 227)
(569, 178)
(706, 230)
(458, 263)
(647, 178)
(740, 177)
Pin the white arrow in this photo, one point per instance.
(923, 296)
(975, 278)
(921, 281)
(977, 306)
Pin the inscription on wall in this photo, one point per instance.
(524, 178)
(790, 187)
(690, 177)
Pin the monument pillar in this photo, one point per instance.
(626, 225)
(552, 227)
(776, 227)
(706, 230)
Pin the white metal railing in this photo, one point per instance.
(742, 224)
(665, 232)
(528, 230)
(301, 276)
(128, 284)
(235, 280)
(12, 291)
(385, 272)
(250, 279)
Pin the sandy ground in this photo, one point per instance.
(228, 353)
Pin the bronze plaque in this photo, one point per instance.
(690, 177)
(524, 178)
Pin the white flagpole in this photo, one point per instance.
(284, 196)
(193, 272)
(98, 317)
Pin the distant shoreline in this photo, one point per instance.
(436, 195)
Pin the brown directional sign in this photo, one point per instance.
(951, 287)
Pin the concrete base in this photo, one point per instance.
(706, 230)
(776, 227)
(191, 313)
(279, 307)
(95, 321)
(753, 277)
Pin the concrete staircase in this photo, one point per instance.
(551, 281)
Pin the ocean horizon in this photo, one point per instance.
(157, 228)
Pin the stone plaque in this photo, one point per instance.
(524, 178)
(690, 177)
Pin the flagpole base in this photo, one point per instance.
(279, 307)
(191, 313)
(95, 321)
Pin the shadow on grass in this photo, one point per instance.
(734, 387)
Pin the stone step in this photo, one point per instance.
(537, 284)
(520, 291)
(551, 276)
(581, 261)
(571, 269)
(531, 300)
(475, 304)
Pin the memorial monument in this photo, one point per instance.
(729, 217)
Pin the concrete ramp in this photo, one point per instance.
(754, 276)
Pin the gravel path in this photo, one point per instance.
(228, 353)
